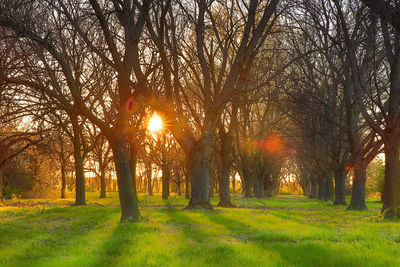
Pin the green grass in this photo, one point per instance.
(279, 231)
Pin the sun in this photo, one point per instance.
(155, 123)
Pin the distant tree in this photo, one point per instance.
(388, 10)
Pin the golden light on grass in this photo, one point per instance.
(155, 123)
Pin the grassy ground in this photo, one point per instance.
(280, 231)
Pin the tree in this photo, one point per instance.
(388, 10)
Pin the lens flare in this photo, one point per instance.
(272, 144)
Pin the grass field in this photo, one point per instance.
(279, 231)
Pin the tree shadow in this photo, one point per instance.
(292, 252)
(51, 235)
(113, 249)
(202, 247)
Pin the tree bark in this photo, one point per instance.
(358, 189)
(199, 160)
(187, 186)
(225, 172)
(340, 186)
(165, 181)
(260, 187)
(328, 187)
(212, 181)
(224, 192)
(314, 189)
(233, 184)
(80, 176)
(247, 188)
(391, 193)
(102, 183)
(132, 166)
(78, 158)
(63, 179)
(149, 182)
(126, 190)
(178, 183)
(321, 188)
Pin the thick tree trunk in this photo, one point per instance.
(212, 180)
(225, 171)
(340, 186)
(132, 166)
(247, 182)
(200, 173)
(78, 158)
(126, 190)
(358, 190)
(165, 182)
(224, 192)
(63, 180)
(247, 189)
(391, 193)
(102, 183)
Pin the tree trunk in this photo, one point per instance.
(260, 187)
(200, 173)
(314, 189)
(126, 190)
(328, 187)
(391, 192)
(247, 188)
(321, 188)
(211, 189)
(233, 184)
(247, 181)
(78, 158)
(149, 174)
(187, 186)
(165, 181)
(102, 183)
(179, 183)
(132, 166)
(358, 190)
(63, 180)
(340, 186)
(224, 192)
(225, 172)
(80, 177)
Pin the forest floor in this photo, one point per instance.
(278, 231)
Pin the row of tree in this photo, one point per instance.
(240, 85)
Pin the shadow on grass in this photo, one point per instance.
(46, 237)
(117, 245)
(306, 252)
(199, 246)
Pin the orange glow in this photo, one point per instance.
(272, 144)
(155, 123)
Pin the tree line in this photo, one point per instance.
(244, 87)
